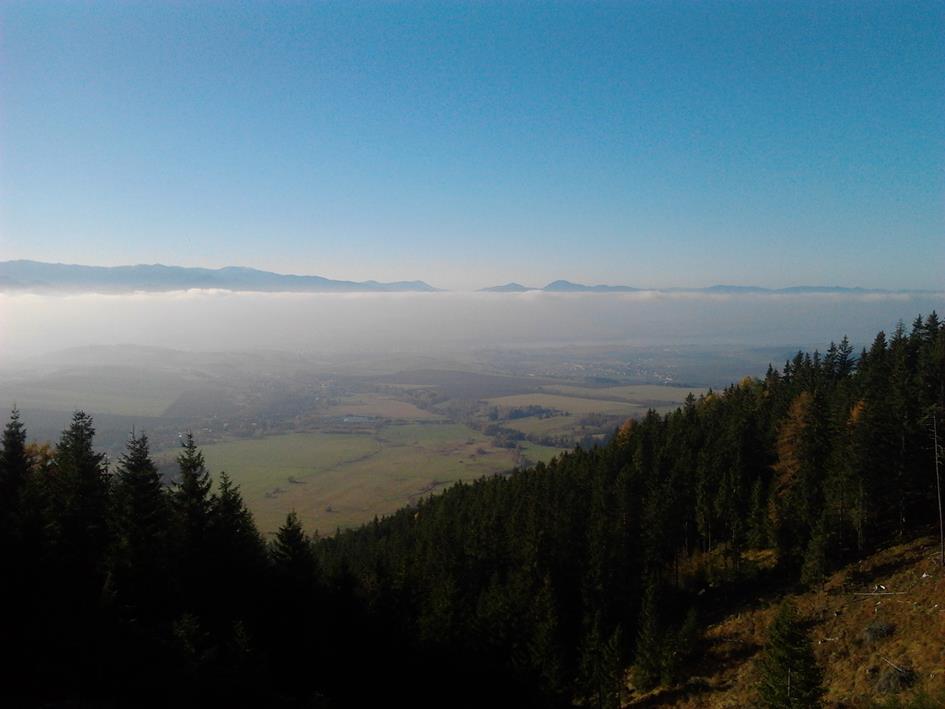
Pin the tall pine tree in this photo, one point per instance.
(790, 677)
(78, 514)
(140, 559)
(192, 505)
(14, 468)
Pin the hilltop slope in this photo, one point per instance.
(857, 636)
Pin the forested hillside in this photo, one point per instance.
(542, 587)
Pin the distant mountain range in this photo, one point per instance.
(507, 288)
(40, 277)
(559, 287)
(37, 276)
(569, 287)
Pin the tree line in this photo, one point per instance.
(538, 588)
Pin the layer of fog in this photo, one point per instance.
(31, 325)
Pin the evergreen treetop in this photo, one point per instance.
(790, 677)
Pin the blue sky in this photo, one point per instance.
(653, 143)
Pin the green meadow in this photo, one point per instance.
(340, 480)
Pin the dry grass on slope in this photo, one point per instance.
(878, 628)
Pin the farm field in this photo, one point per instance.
(569, 404)
(550, 426)
(341, 480)
(463, 384)
(578, 402)
(379, 406)
(635, 393)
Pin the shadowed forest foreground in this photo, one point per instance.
(623, 573)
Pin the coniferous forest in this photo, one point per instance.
(539, 588)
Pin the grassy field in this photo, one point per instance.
(551, 426)
(378, 405)
(569, 404)
(340, 480)
(534, 452)
(634, 393)
(579, 401)
(464, 385)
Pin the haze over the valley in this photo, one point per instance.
(33, 324)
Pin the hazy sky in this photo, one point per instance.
(648, 143)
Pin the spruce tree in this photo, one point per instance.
(191, 501)
(14, 468)
(140, 559)
(790, 677)
(236, 557)
(601, 673)
(758, 516)
(679, 647)
(815, 566)
(234, 537)
(20, 552)
(296, 638)
(191, 497)
(230, 519)
(846, 362)
(291, 550)
(545, 652)
(874, 445)
(79, 489)
(648, 662)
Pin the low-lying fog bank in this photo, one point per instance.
(416, 322)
